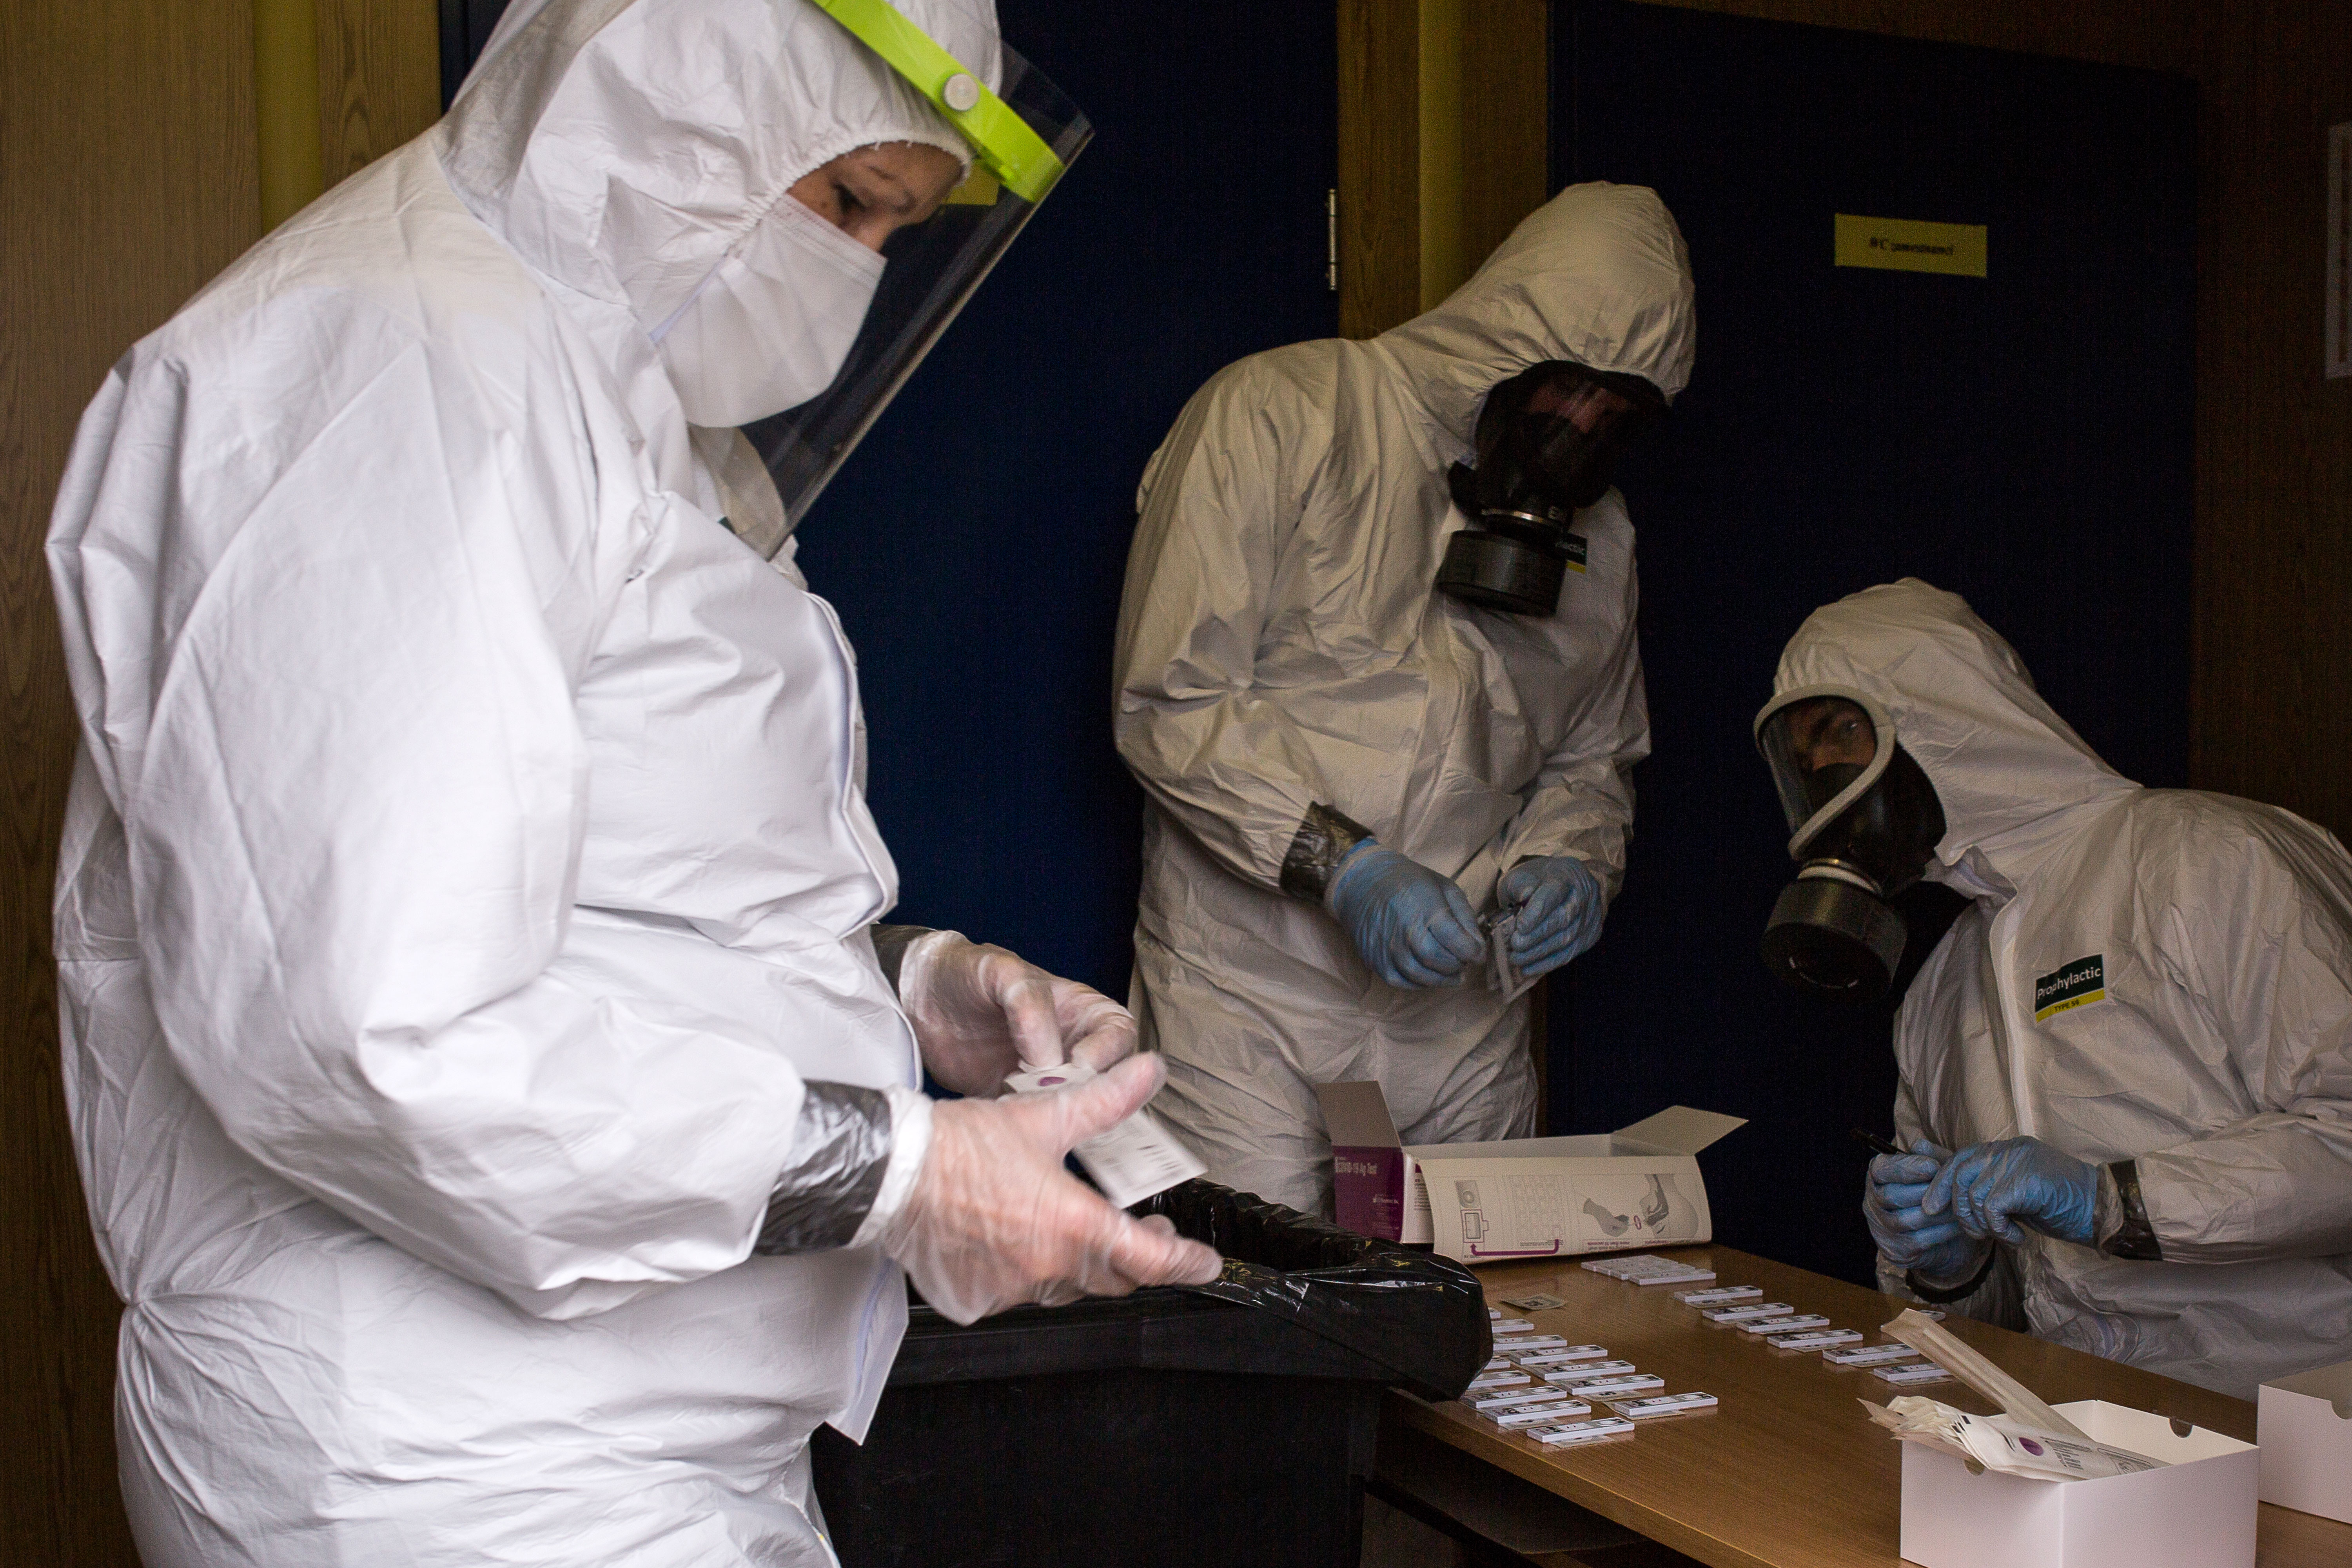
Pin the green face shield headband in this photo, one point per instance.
(1024, 137)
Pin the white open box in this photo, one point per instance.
(2198, 1511)
(2306, 1437)
(1525, 1197)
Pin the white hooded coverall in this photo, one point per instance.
(1281, 646)
(466, 862)
(2212, 1046)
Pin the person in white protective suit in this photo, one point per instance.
(494, 1109)
(1377, 673)
(2127, 1069)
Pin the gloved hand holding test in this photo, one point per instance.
(1136, 1159)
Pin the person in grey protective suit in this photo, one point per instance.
(2127, 1069)
(1377, 674)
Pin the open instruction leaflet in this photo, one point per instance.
(1525, 1197)
(1549, 1197)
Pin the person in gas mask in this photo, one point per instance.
(2127, 1068)
(495, 1109)
(1377, 673)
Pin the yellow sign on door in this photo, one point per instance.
(1903, 245)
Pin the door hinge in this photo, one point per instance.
(1331, 239)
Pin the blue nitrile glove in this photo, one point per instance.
(1906, 1236)
(1557, 900)
(1987, 1187)
(1413, 927)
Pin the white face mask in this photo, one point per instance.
(770, 328)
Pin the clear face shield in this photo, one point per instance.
(1023, 140)
(1864, 820)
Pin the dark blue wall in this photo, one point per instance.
(2023, 439)
(976, 543)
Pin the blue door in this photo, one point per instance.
(2023, 438)
(975, 542)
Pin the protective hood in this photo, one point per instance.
(622, 147)
(1598, 275)
(1961, 703)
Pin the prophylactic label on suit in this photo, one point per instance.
(1136, 1159)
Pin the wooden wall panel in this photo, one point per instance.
(2274, 437)
(128, 175)
(379, 78)
(1379, 164)
(1506, 120)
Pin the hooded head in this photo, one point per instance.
(1962, 705)
(624, 148)
(1598, 275)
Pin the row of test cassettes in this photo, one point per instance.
(1540, 1386)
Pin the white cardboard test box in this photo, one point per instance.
(1523, 1197)
(2305, 1431)
(2198, 1511)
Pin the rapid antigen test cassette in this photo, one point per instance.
(1583, 1431)
(1609, 1387)
(1752, 1310)
(1662, 1405)
(1869, 1355)
(1719, 1295)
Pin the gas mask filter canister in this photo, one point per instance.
(1546, 440)
(1864, 820)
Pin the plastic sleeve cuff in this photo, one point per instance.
(890, 945)
(1323, 841)
(842, 1145)
(2121, 1223)
(910, 1141)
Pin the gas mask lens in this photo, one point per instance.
(1546, 441)
(1864, 820)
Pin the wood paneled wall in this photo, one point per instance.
(2273, 559)
(128, 176)
(127, 168)
(379, 78)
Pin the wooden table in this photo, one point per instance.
(1786, 1471)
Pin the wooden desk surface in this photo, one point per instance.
(1786, 1471)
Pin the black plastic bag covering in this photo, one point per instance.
(1421, 1316)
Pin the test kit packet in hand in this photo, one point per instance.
(1136, 1159)
(1502, 975)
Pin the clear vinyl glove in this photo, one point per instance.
(1559, 906)
(980, 1013)
(1987, 1188)
(994, 1221)
(1934, 1246)
(1413, 927)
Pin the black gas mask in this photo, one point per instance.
(1547, 439)
(1864, 821)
